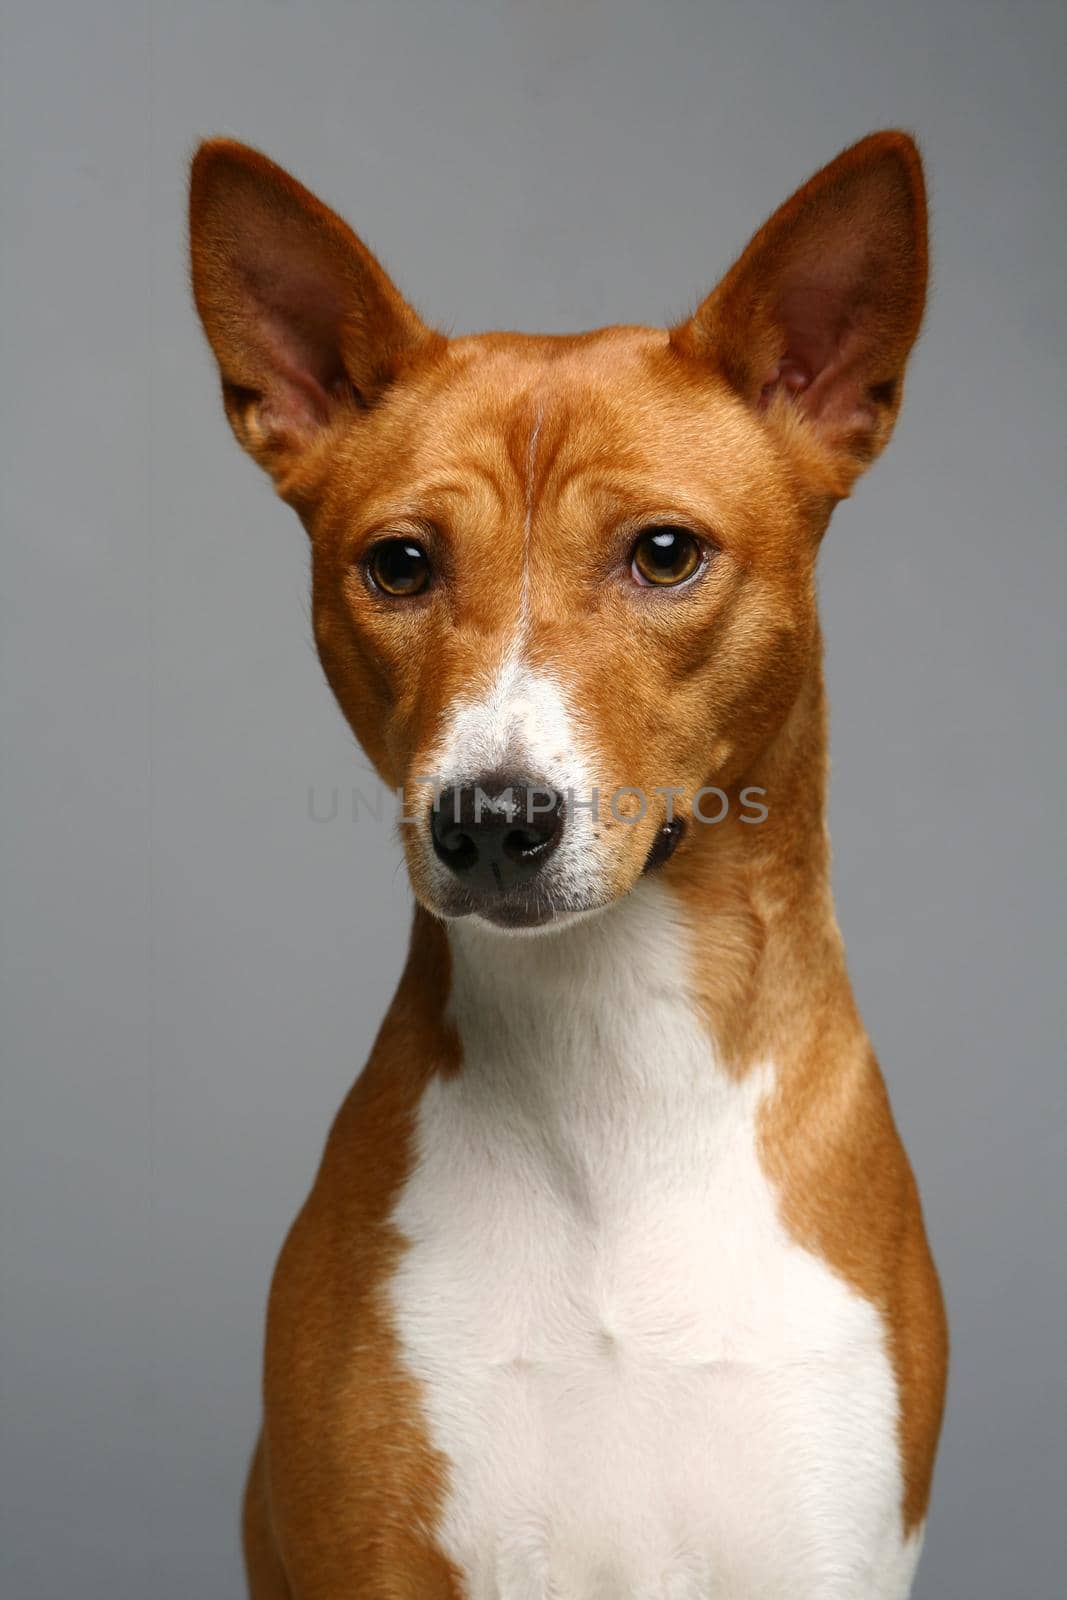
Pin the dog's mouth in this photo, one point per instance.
(528, 908)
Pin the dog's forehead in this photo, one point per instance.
(530, 415)
(496, 390)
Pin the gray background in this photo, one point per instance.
(193, 969)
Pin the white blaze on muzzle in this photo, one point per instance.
(522, 730)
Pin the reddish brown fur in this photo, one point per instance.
(746, 424)
(343, 1475)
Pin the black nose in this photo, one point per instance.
(496, 833)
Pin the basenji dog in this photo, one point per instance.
(613, 1283)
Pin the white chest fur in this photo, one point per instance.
(642, 1386)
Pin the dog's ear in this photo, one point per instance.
(303, 321)
(816, 318)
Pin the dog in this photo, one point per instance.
(613, 1281)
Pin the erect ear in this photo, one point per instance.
(817, 317)
(303, 321)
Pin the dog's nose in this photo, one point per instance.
(496, 833)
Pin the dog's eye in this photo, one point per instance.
(399, 567)
(664, 556)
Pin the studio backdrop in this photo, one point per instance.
(203, 918)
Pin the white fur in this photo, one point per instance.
(642, 1386)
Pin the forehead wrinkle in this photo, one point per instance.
(549, 436)
(459, 486)
(498, 447)
(419, 498)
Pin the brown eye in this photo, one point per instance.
(399, 567)
(664, 556)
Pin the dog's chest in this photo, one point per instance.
(641, 1386)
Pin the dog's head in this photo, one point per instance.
(555, 578)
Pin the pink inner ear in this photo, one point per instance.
(293, 403)
(786, 374)
(298, 313)
(304, 359)
(822, 329)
